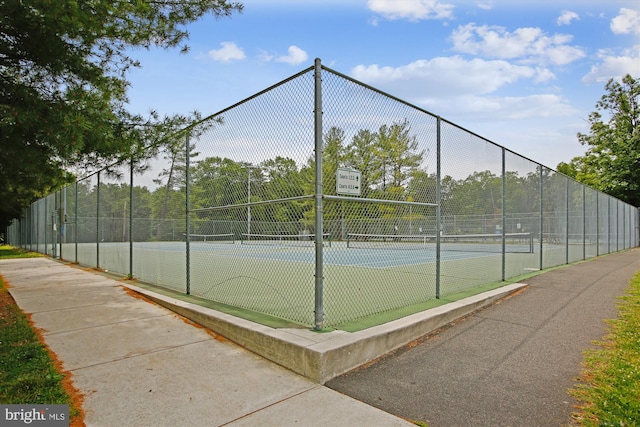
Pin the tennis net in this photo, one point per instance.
(283, 239)
(513, 242)
(212, 238)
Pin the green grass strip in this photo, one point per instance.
(8, 252)
(28, 374)
(609, 388)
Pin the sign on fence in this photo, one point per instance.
(348, 182)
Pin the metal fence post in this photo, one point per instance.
(598, 224)
(76, 230)
(98, 223)
(617, 225)
(438, 202)
(29, 212)
(60, 219)
(608, 224)
(584, 221)
(625, 226)
(504, 214)
(54, 229)
(37, 222)
(131, 167)
(46, 240)
(188, 216)
(319, 273)
(541, 233)
(63, 220)
(566, 228)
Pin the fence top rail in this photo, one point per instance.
(367, 200)
(325, 197)
(261, 202)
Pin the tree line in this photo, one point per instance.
(391, 165)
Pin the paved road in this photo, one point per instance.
(508, 365)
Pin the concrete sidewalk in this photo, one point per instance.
(510, 364)
(139, 364)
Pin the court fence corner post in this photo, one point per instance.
(188, 217)
(319, 274)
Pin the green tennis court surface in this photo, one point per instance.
(371, 251)
(275, 280)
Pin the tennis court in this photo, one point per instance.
(275, 273)
(361, 250)
(371, 251)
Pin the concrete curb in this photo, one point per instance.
(323, 356)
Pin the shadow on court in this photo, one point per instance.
(510, 364)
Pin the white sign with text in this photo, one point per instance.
(348, 181)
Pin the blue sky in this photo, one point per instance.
(524, 74)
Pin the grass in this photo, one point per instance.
(29, 374)
(8, 252)
(609, 386)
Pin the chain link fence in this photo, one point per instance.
(323, 201)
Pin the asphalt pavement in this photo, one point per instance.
(510, 364)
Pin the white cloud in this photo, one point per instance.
(485, 5)
(543, 75)
(528, 45)
(544, 140)
(613, 66)
(491, 109)
(296, 56)
(265, 56)
(628, 21)
(459, 88)
(566, 17)
(493, 41)
(228, 52)
(412, 10)
(443, 76)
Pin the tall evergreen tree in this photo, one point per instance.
(63, 67)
